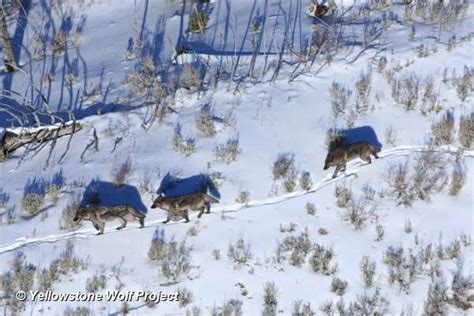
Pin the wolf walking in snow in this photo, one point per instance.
(98, 215)
(179, 205)
(341, 155)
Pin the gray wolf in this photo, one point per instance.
(179, 205)
(341, 155)
(98, 215)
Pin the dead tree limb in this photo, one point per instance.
(11, 141)
(73, 119)
(94, 142)
(8, 56)
(117, 141)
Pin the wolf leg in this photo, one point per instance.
(96, 226)
(124, 223)
(142, 222)
(102, 227)
(168, 218)
(335, 172)
(340, 167)
(185, 215)
(97, 223)
(208, 207)
(201, 211)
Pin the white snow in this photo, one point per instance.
(269, 117)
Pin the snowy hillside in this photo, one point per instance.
(110, 103)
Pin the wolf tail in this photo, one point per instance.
(375, 149)
(136, 213)
(210, 199)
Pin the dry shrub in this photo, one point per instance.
(243, 197)
(443, 131)
(173, 258)
(305, 181)
(96, 283)
(190, 77)
(340, 98)
(228, 151)
(283, 166)
(183, 145)
(405, 91)
(338, 286)
(436, 299)
(465, 84)
(59, 42)
(302, 309)
(343, 195)
(232, 307)
(428, 177)
(142, 80)
(157, 250)
(391, 136)
(66, 264)
(289, 183)
(205, 121)
(295, 249)
(367, 269)
(366, 304)
(310, 208)
(430, 100)
(360, 212)
(270, 301)
(458, 180)
(32, 203)
(363, 87)
(321, 260)
(240, 253)
(460, 287)
(19, 277)
(121, 172)
(185, 297)
(466, 130)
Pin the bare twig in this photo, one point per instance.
(94, 142)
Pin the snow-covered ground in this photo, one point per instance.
(373, 47)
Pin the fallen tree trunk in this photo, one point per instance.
(11, 141)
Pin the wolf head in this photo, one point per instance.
(158, 201)
(327, 162)
(82, 213)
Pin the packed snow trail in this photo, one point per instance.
(352, 168)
